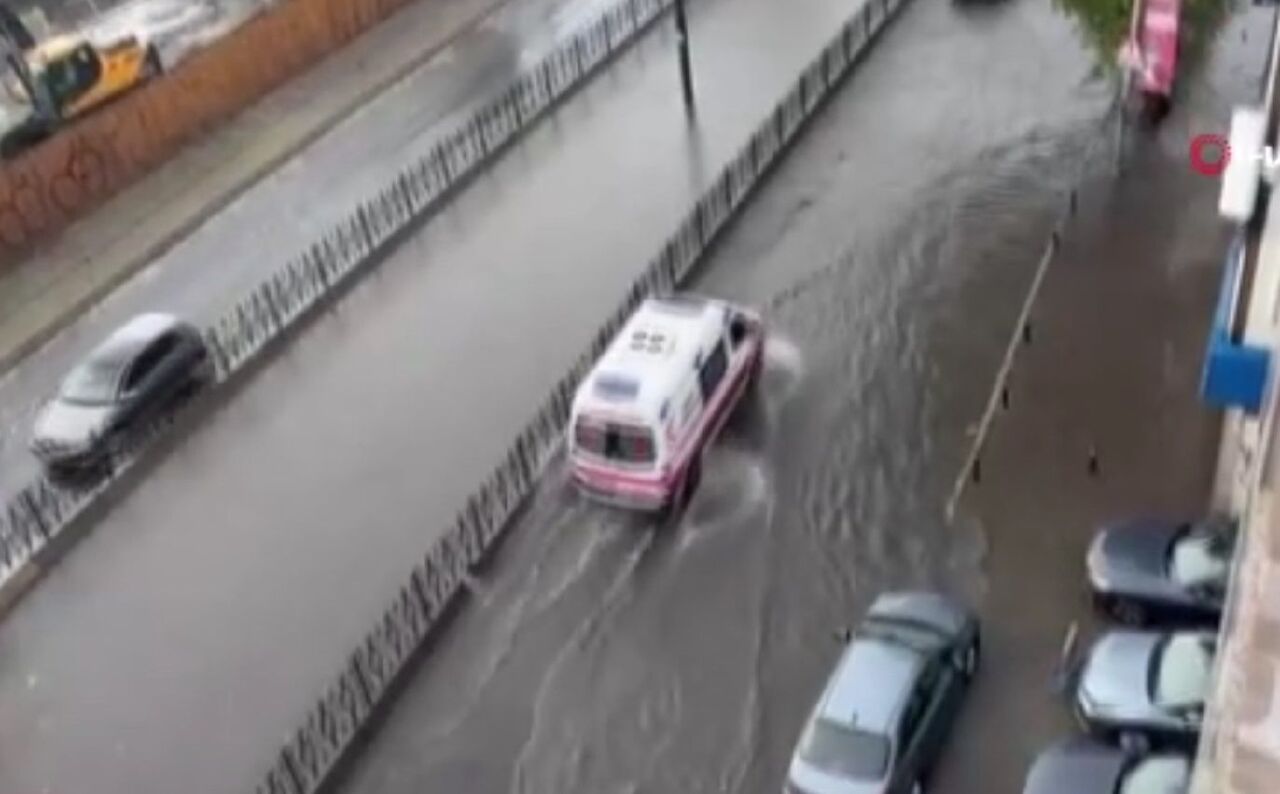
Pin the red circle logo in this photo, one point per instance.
(1210, 154)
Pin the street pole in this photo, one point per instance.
(686, 69)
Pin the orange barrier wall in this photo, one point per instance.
(48, 187)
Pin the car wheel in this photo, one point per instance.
(692, 479)
(151, 66)
(198, 379)
(972, 658)
(757, 368)
(1133, 743)
(1128, 612)
(684, 491)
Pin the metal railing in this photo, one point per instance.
(33, 516)
(365, 679)
(1094, 155)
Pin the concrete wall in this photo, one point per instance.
(64, 178)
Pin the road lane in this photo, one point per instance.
(892, 249)
(203, 275)
(196, 623)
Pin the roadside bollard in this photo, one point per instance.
(1026, 332)
(1004, 397)
(976, 470)
(1093, 460)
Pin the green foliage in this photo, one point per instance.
(1105, 23)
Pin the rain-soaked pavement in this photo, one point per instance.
(173, 648)
(893, 249)
(287, 211)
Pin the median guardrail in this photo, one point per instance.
(368, 676)
(33, 518)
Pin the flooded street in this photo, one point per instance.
(892, 252)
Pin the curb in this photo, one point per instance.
(64, 317)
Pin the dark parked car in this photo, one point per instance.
(887, 709)
(1150, 569)
(1147, 684)
(1080, 765)
(130, 378)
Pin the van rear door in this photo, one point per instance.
(629, 444)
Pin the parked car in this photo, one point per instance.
(130, 378)
(658, 397)
(1146, 684)
(1080, 765)
(1150, 569)
(884, 715)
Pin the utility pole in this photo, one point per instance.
(686, 69)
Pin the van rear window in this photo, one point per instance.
(626, 443)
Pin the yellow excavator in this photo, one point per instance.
(64, 77)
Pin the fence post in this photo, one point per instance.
(36, 512)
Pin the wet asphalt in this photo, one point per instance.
(174, 647)
(285, 213)
(600, 654)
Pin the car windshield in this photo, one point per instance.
(1199, 558)
(845, 751)
(1156, 775)
(1180, 669)
(91, 383)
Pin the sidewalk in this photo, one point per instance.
(1114, 361)
(101, 251)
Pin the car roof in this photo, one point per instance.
(1076, 765)
(56, 47)
(127, 340)
(871, 684)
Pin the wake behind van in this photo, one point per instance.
(658, 396)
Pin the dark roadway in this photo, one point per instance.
(893, 250)
(173, 648)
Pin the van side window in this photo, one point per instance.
(737, 330)
(713, 370)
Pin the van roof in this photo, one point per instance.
(655, 349)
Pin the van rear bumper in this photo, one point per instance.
(629, 494)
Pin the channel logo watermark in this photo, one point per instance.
(1211, 153)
